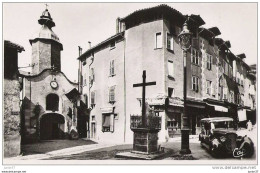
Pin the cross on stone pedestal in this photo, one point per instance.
(143, 85)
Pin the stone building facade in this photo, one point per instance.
(51, 104)
(147, 40)
(12, 87)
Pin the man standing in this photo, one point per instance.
(249, 125)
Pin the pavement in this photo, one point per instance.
(87, 150)
(62, 152)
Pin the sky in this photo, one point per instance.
(78, 23)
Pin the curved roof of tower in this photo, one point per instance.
(47, 33)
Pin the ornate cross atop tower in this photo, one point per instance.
(143, 85)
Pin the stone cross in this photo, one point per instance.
(143, 85)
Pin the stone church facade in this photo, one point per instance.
(51, 102)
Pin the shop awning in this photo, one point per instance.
(242, 115)
(195, 103)
(219, 108)
(106, 121)
(73, 94)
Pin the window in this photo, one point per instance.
(92, 76)
(225, 93)
(112, 94)
(112, 68)
(169, 41)
(170, 123)
(171, 92)
(108, 123)
(231, 96)
(208, 87)
(195, 56)
(238, 98)
(93, 118)
(195, 83)
(52, 102)
(238, 78)
(93, 98)
(209, 62)
(158, 40)
(230, 72)
(242, 81)
(84, 79)
(225, 66)
(170, 69)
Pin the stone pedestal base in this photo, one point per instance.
(145, 141)
(185, 143)
(139, 156)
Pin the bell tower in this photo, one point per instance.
(46, 46)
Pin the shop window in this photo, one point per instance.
(108, 123)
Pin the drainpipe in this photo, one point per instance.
(124, 92)
(79, 71)
(89, 95)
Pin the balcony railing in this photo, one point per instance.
(152, 122)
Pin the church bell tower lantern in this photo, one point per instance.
(46, 46)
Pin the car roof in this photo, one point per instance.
(216, 119)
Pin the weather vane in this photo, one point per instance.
(46, 6)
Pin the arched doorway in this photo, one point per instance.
(51, 126)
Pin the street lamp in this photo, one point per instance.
(185, 41)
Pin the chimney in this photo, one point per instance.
(80, 51)
(118, 28)
(89, 44)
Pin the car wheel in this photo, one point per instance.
(248, 150)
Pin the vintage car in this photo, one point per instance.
(220, 137)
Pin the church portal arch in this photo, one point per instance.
(52, 126)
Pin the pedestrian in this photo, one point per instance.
(249, 125)
(212, 127)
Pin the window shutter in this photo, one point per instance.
(170, 68)
(110, 73)
(112, 122)
(213, 89)
(204, 59)
(113, 67)
(171, 42)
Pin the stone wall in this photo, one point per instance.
(12, 138)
